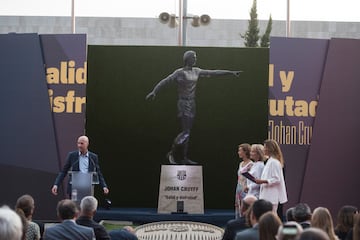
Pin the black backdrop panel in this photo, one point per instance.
(132, 135)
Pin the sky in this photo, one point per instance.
(308, 10)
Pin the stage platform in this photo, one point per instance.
(139, 216)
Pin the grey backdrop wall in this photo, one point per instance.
(149, 31)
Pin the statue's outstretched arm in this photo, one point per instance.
(209, 73)
(163, 82)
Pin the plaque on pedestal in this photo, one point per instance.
(181, 189)
(82, 184)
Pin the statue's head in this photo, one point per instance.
(189, 58)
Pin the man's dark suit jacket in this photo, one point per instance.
(72, 164)
(248, 234)
(100, 231)
(69, 230)
(234, 226)
(305, 225)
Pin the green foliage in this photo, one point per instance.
(251, 36)
(265, 39)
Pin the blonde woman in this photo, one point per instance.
(257, 156)
(321, 218)
(244, 166)
(272, 183)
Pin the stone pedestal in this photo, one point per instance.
(181, 189)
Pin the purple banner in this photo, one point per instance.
(295, 73)
(65, 61)
(331, 176)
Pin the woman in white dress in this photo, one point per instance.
(272, 183)
(244, 166)
(258, 157)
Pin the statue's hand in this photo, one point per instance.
(150, 96)
(237, 73)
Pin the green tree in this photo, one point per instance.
(252, 34)
(265, 39)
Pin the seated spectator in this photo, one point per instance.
(313, 234)
(290, 214)
(236, 225)
(302, 215)
(345, 221)
(10, 224)
(68, 229)
(321, 218)
(126, 233)
(25, 206)
(88, 206)
(42, 227)
(289, 231)
(259, 207)
(269, 224)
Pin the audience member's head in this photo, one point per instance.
(259, 207)
(321, 218)
(290, 214)
(269, 224)
(313, 234)
(10, 224)
(246, 203)
(302, 212)
(66, 209)
(27, 204)
(345, 218)
(88, 206)
(289, 231)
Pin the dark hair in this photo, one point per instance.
(345, 218)
(302, 212)
(269, 224)
(260, 207)
(290, 214)
(66, 209)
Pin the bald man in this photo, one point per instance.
(236, 225)
(81, 160)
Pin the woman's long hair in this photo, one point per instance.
(269, 224)
(345, 218)
(274, 150)
(321, 218)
